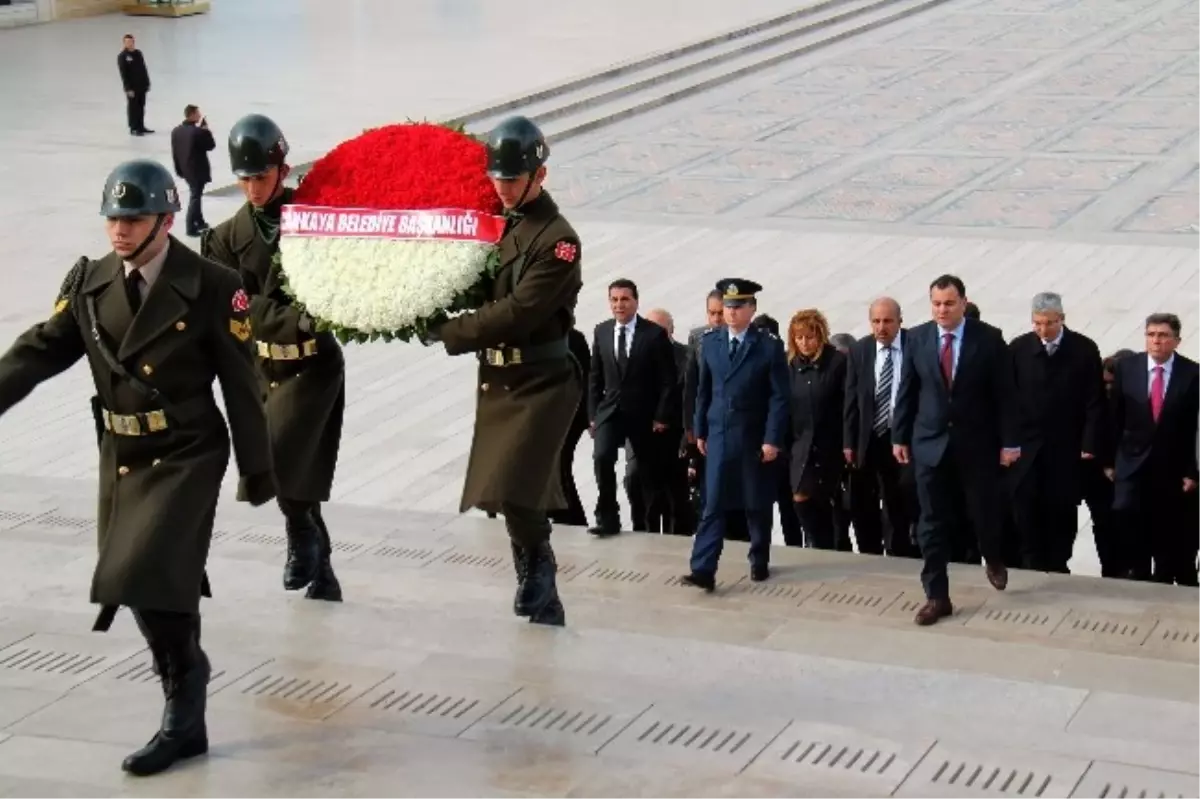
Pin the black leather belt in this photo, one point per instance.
(532, 353)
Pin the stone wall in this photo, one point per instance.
(70, 9)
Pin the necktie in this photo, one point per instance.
(1051, 347)
(946, 358)
(622, 349)
(133, 290)
(733, 347)
(883, 393)
(1157, 391)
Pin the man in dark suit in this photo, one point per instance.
(1156, 401)
(631, 390)
(879, 485)
(135, 79)
(955, 421)
(741, 422)
(676, 515)
(1060, 391)
(191, 142)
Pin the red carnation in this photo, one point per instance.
(403, 166)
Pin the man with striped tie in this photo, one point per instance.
(883, 495)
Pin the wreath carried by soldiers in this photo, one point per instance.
(391, 232)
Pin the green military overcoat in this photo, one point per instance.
(306, 399)
(158, 493)
(523, 412)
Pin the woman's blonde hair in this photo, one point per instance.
(809, 320)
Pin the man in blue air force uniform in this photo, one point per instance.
(740, 422)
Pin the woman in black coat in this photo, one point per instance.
(818, 383)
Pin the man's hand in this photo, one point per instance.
(1009, 456)
(702, 445)
(592, 429)
(1110, 474)
(658, 427)
(1189, 485)
(848, 454)
(129, 93)
(769, 452)
(1087, 456)
(901, 454)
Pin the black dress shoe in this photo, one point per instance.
(605, 530)
(146, 130)
(759, 573)
(700, 580)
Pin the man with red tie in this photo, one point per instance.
(1156, 402)
(955, 421)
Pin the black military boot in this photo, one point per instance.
(539, 591)
(521, 566)
(325, 586)
(303, 545)
(183, 733)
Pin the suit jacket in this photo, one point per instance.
(691, 373)
(190, 146)
(858, 416)
(977, 414)
(1167, 447)
(741, 403)
(134, 75)
(1063, 411)
(644, 392)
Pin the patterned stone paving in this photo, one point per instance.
(1062, 117)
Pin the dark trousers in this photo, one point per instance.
(135, 111)
(789, 521)
(710, 538)
(956, 492)
(1046, 519)
(674, 513)
(573, 513)
(736, 528)
(883, 502)
(195, 216)
(526, 527)
(611, 435)
(1161, 531)
(1109, 538)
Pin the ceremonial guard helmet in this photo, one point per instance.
(515, 147)
(255, 145)
(139, 188)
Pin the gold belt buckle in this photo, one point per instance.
(286, 352)
(122, 424)
(494, 357)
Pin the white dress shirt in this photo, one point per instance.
(628, 327)
(897, 360)
(1167, 366)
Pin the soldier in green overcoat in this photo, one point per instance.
(301, 370)
(529, 384)
(157, 324)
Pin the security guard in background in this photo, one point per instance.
(741, 424)
(302, 371)
(529, 384)
(157, 323)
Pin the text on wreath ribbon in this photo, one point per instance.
(441, 224)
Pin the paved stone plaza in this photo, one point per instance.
(1026, 145)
